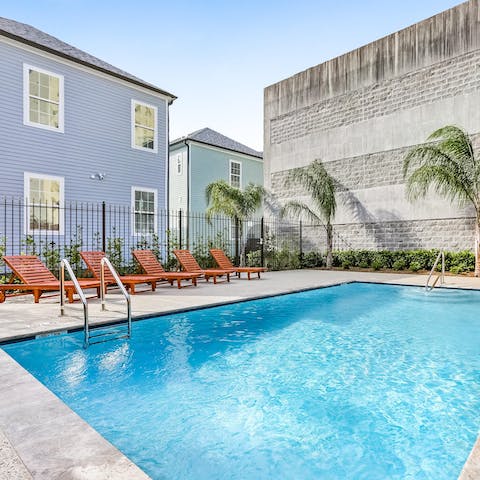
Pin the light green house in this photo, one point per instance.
(195, 161)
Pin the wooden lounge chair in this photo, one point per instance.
(93, 260)
(224, 262)
(189, 264)
(151, 266)
(37, 278)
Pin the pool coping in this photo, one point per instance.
(108, 323)
(119, 465)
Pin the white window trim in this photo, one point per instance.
(230, 172)
(155, 127)
(155, 212)
(26, 194)
(26, 99)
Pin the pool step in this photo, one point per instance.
(88, 335)
(101, 335)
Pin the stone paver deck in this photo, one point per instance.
(41, 438)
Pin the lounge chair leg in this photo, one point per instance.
(132, 289)
(36, 295)
(2, 297)
(154, 286)
(98, 292)
(70, 295)
(215, 279)
(228, 277)
(179, 284)
(248, 274)
(258, 274)
(171, 283)
(194, 281)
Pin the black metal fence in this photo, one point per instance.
(54, 231)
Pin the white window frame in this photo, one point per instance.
(155, 127)
(27, 176)
(230, 172)
(26, 99)
(155, 211)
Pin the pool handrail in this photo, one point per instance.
(103, 288)
(64, 264)
(441, 276)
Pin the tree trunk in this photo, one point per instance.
(477, 246)
(329, 245)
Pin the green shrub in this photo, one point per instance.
(312, 260)
(463, 261)
(399, 264)
(254, 258)
(283, 259)
(377, 263)
(346, 264)
(415, 266)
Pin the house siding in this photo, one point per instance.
(97, 135)
(208, 165)
(178, 191)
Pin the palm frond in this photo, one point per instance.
(446, 166)
(319, 184)
(456, 143)
(296, 209)
(223, 199)
(441, 179)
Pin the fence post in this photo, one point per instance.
(104, 227)
(262, 243)
(300, 241)
(237, 243)
(180, 229)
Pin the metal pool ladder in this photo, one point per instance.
(88, 336)
(440, 276)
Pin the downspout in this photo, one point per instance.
(187, 214)
(167, 167)
(167, 179)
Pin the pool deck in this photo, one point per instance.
(41, 438)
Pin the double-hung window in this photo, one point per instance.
(235, 174)
(42, 99)
(144, 126)
(44, 196)
(144, 206)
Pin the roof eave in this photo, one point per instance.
(186, 139)
(87, 64)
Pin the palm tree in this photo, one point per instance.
(321, 187)
(447, 164)
(239, 205)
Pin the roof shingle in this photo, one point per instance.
(211, 137)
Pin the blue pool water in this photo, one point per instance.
(356, 382)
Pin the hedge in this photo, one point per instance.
(413, 260)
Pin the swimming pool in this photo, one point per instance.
(358, 381)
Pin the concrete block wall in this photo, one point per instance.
(361, 112)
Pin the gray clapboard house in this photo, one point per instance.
(74, 128)
(198, 159)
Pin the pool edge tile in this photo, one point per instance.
(50, 452)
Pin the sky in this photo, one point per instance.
(218, 56)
